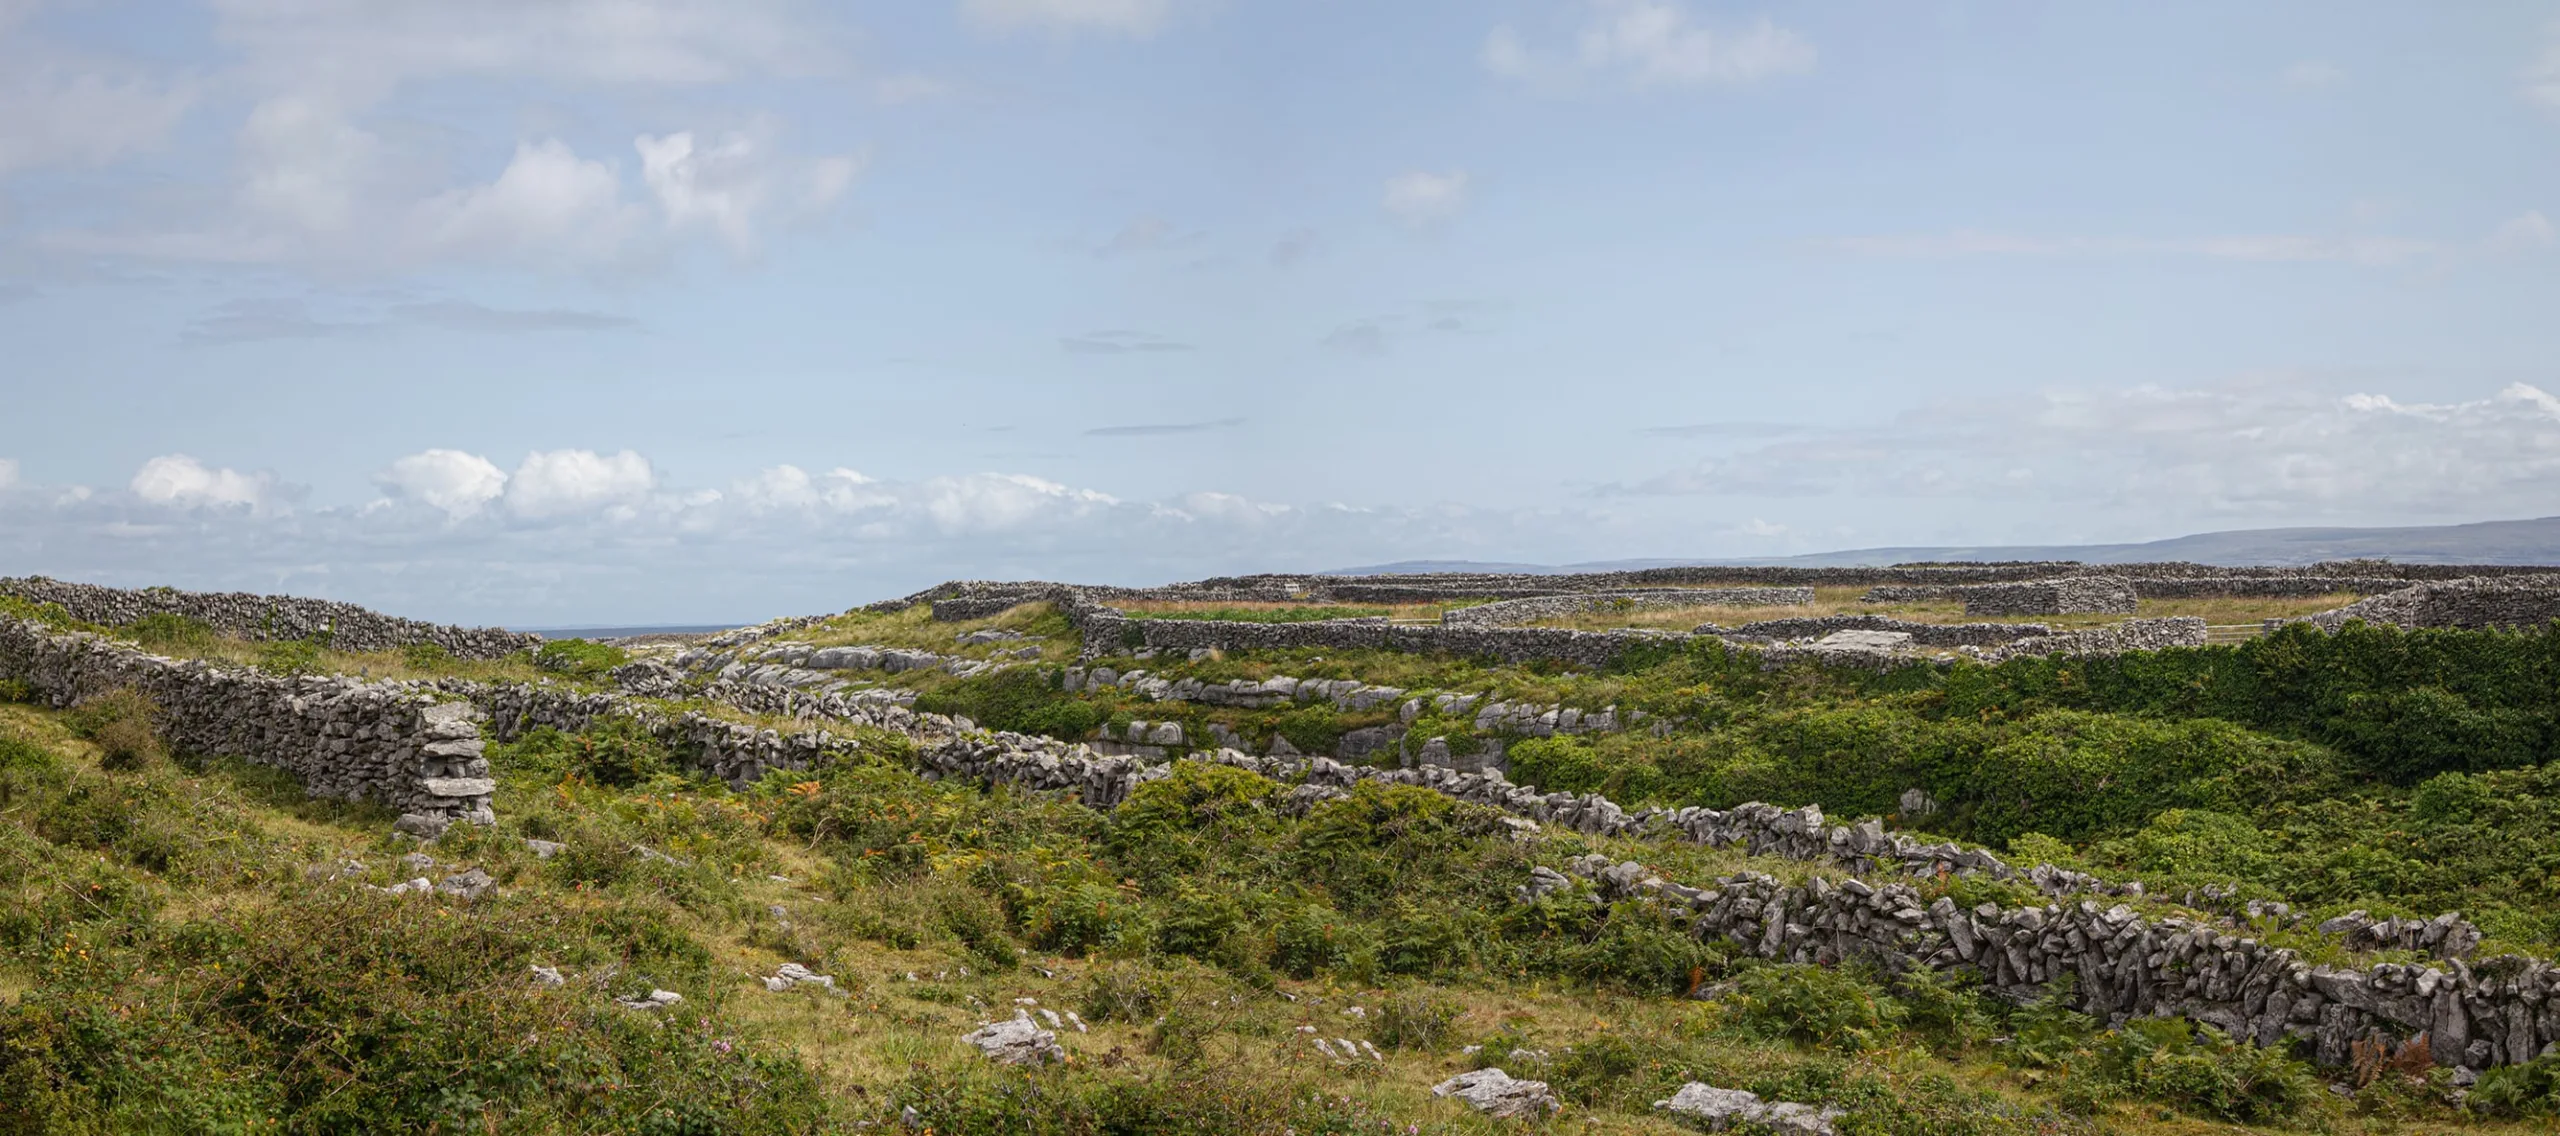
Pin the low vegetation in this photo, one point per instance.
(186, 946)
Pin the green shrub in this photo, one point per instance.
(289, 656)
(1198, 922)
(16, 690)
(1416, 1018)
(2047, 1033)
(52, 615)
(1942, 1009)
(2205, 1073)
(1557, 765)
(427, 657)
(2530, 1089)
(1813, 1005)
(1121, 992)
(1313, 728)
(1311, 937)
(162, 630)
(122, 724)
(1080, 918)
(1025, 700)
(581, 658)
(2196, 844)
(615, 751)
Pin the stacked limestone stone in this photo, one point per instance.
(1512, 613)
(246, 616)
(2522, 602)
(1922, 634)
(379, 741)
(2064, 595)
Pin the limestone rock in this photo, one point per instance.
(654, 1000)
(1496, 1093)
(1019, 1041)
(1736, 1110)
(467, 885)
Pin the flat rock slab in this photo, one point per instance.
(1740, 1111)
(1855, 640)
(459, 786)
(1496, 1093)
(1017, 1042)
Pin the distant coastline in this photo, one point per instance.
(628, 631)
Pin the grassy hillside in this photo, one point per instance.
(192, 947)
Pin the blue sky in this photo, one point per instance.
(649, 310)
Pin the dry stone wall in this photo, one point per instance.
(1512, 613)
(247, 616)
(2130, 635)
(389, 742)
(1922, 634)
(2125, 964)
(2514, 601)
(2065, 595)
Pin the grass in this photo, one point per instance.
(1276, 612)
(1847, 601)
(1226, 1054)
(914, 627)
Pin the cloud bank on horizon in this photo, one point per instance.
(660, 309)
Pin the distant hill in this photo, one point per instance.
(2488, 542)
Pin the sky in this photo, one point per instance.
(610, 311)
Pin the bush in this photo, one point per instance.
(289, 656)
(1813, 1005)
(615, 751)
(1313, 728)
(16, 690)
(1124, 993)
(2205, 1073)
(1557, 765)
(1313, 937)
(580, 658)
(426, 657)
(2530, 1089)
(1025, 700)
(1418, 1018)
(1942, 1009)
(120, 722)
(162, 630)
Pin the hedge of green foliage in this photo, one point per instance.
(583, 658)
(1025, 700)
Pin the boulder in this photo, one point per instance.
(1496, 1093)
(1020, 1041)
(1737, 1110)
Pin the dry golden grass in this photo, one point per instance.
(915, 628)
(2219, 611)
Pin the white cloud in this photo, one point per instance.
(558, 483)
(1651, 43)
(1422, 197)
(2258, 449)
(547, 202)
(1128, 17)
(360, 48)
(60, 115)
(997, 502)
(325, 174)
(180, 480)
(734, 184)
(8, 472)
(451, 480)
(2265, 247)
(2539, 83)
(2313, 75)
(2524, 232)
